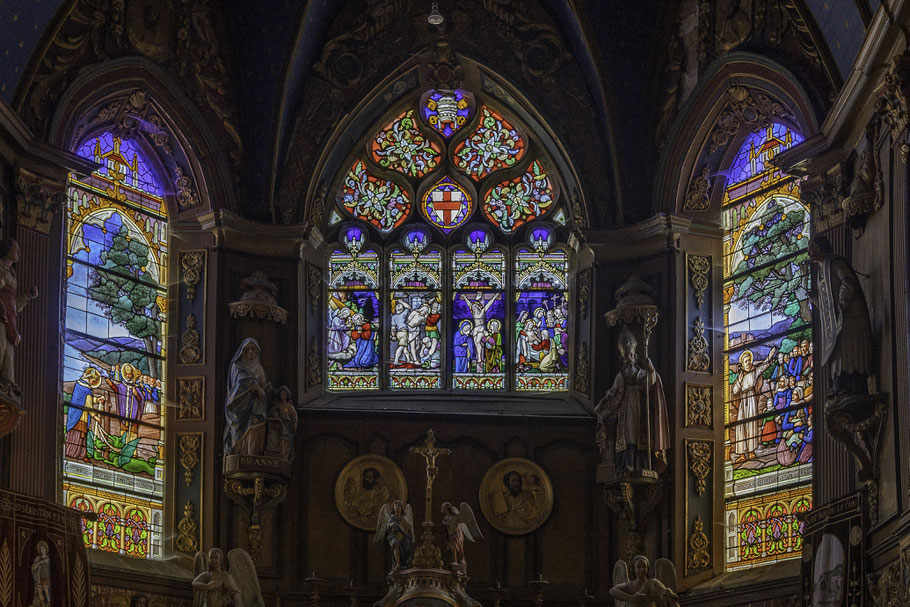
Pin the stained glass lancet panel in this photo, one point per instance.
(541, 315)
(353, 315)
(113, 363)
(478, 315)
(415, 324)
(768, 355)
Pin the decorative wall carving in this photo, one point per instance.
(199, 62)
(698, 555)
(699, 409)
(190, 397)
(866, 190)
(190, 453)
(190, 352)
(188, 531)
(894, 104)
(37, 200)
(699, 456)
(824, 195)
(187, 196)
(582, 369)
(192, 264)
(314, 364)
(699, 266)
(583, 289)
(698, 194)
(745, 108)
(699, 358)
(886, 585)
(314, 287)
(258, 300)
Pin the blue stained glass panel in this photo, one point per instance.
(478, 341)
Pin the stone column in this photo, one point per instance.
(34, 451)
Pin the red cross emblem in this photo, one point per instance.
(446, 202)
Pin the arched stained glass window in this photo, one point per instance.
(113, 364)
(449, 273)
(768, 354)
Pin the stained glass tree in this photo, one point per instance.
(113, 359)
(768, 355)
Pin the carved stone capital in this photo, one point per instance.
(894, 104)
(824, 195)
(37, 199)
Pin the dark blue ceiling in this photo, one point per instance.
(22, 25)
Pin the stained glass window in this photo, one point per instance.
(473, 290)
(512, 203)
(478, 315)
(113, 363)
(353, 315)
(415, 332)
(494, 144)
(541, 315)
(768, 354)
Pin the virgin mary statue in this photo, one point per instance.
(248, 395)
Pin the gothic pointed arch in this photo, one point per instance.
(740, 94)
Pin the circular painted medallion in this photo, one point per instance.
(447, 205)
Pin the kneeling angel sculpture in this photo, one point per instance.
(460, 525)
(236, 587)
(642, 591)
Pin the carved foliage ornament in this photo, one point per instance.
(584, 293)
(698, 358)
(582, 369)
(192, 264)
(894, 104)
(699, 557)
(314, 287)
(824, 196)
(190, 395)
(314, 365)
(698, 194)
(188, 531)
(699, 266)
(190, 352)
(698, 405)
(190, 445)
(699, 455)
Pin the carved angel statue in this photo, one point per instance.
(396, 525)
(460, 525)
(642, 591)
(236, 587)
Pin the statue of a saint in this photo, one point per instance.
(11, 302)
(282, 426)
(247, 405)
(844, 316)
(41, 574)
(636, 390)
